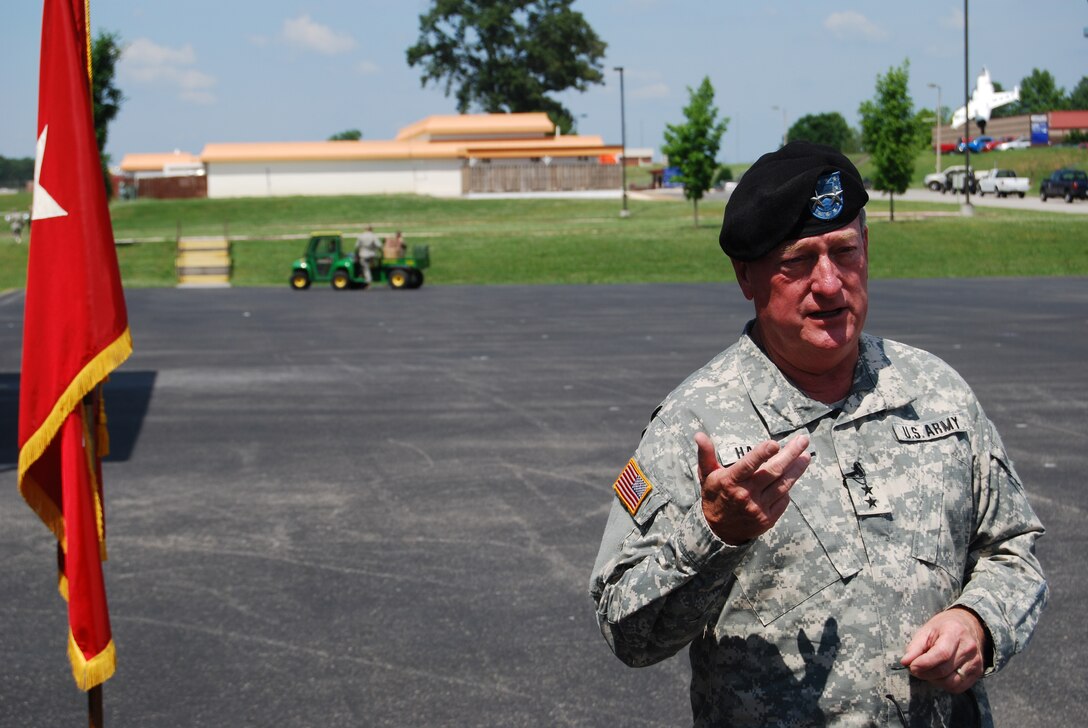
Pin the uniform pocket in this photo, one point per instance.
(785, 567)
(936, 496)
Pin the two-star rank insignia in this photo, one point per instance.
(866, 502)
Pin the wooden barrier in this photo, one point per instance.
(540, 178)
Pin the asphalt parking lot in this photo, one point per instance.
(381, 508)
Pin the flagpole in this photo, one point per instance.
(90, 414)
(90, 410)
(94, 706)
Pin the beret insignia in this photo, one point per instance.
(827, 204)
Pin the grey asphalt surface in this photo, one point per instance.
(381, 508)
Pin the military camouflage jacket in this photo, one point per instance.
(909, 506)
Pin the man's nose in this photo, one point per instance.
(825, 277)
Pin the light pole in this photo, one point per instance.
(966, 210)
(785, 125)
(623, 142)
(937, 121)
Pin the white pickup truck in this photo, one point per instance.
(1003, 182)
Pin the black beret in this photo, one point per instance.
(803, 189)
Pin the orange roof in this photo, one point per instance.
(157, 161)
(324, 151)
(562, 146)
(1069, 119)
(534, 124)
(565, 146)
(543, 152)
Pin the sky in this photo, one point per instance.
(203, 71)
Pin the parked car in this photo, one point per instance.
(935, 180)
(1003, 182)
(1067, 183)
(993, 143)
(1020, 142)
(950, 179)
(978, 143)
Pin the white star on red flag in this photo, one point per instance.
(45, 206)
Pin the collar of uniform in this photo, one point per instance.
(878, 386)
(782, 406)
(785, 408)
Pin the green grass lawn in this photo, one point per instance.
(575, 241)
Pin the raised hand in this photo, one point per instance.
(743, 501)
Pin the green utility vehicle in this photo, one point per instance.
(326, 261)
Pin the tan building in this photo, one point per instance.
(169, 175)
(441, 156)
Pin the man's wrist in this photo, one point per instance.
(982, 634)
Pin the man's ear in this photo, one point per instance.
(742, 270)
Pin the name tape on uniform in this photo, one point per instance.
(928, 430)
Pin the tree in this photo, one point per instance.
(16, 172)
(1039, 93)
(829, 128)
(105, 97)
(508, 55)
(348, 135)
(891, 132)
(1078, 97)
(693, 146)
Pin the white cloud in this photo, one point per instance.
(303, 32)
(849, 24)
(144, 61)
(953, 20)
(367, 68)
(651, 91)
(641, 84)
(144, 56)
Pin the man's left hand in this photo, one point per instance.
(948, 651)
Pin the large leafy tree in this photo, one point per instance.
(891, 132)
(508, 55)
(105, 96)
(693, 146)
(829, 128)
(1039, 93)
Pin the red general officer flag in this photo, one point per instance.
(75, 332)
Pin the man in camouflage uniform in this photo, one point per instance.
(827, 518)
(368, 248)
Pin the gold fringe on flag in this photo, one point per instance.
(94, 671)
(96, 370)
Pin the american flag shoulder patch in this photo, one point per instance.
(632, 487)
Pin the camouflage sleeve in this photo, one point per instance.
(661, 574)
(657, 590)
(1004, 583)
